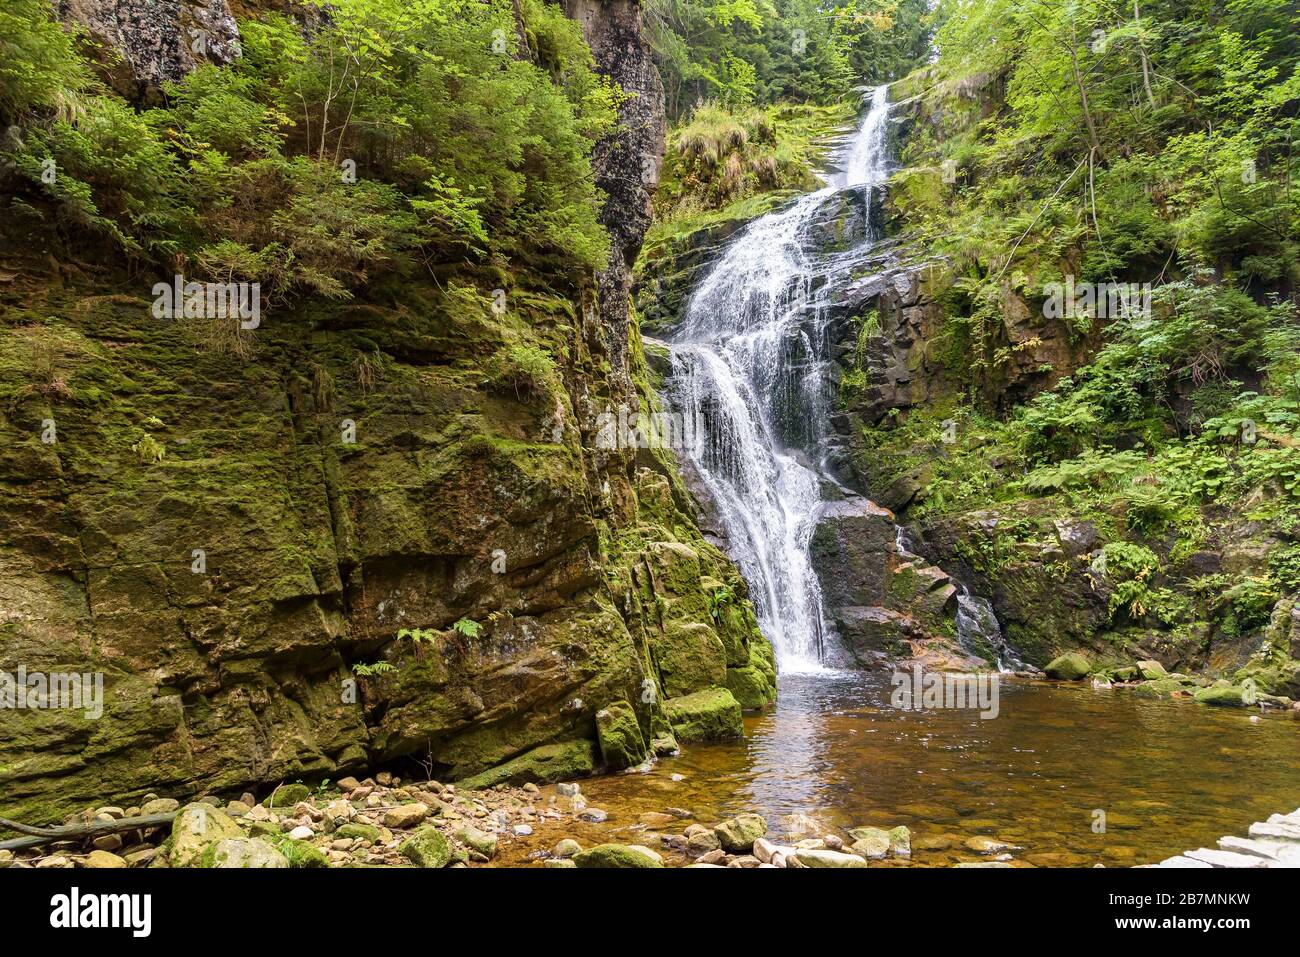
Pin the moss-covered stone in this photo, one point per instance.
(550, 762)
(287, 795)
(427, 847)
(1231, 696)
(709, 715)
(359, 832)
(195, 829)
(1070, 666)
(738, 834)
(617, 855)
(619, 734)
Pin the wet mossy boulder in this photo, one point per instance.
(359, 832)
(619, 734)
(710, 715)
(427, 847)
(617, 855)
(1070, 666)
(1224, 696)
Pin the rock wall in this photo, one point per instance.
(355, 548)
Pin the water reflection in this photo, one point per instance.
(1169, 775)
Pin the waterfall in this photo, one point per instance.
(751, 360)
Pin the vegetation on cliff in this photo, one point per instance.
(1096, 147)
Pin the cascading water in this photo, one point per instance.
(752, 361)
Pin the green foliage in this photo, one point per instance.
(401, 134)
(363, 670)
(467, 627)
(743, 52)
(719, 599)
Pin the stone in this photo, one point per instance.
(522, 830)
(813, 857)
(359, 831)
(593, 815)
(1068, 667)
(567, 848)
(237, 809)
(197, 827)
(739, 833)
(248, 852)
(870, 842)
(549, 762)
(405, 815)
(618, 855)
(656, 819)
(481, 841)
(1223, 697)
(709, 715)
(900, 841)
(159, 806)
(987, 845)
(103, 859)
(619, 735)
(302, 833)
(701, 840)
(1151, 670)
(107, 842)
(427, 847)
(567, 789)
(562, 862)
(715, 856)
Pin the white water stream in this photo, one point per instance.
(751, 360)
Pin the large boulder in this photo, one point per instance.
(197, 827)
(1070, 666)
(709, 715)
(621, 743)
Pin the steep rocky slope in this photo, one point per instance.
(373, 540)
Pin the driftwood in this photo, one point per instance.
(69, 832)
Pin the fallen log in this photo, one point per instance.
(71, 832)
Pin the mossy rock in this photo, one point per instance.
(287, 795)
(427, 847)
(195, 829)
(619, 734)
(302, 853)
(550, 762)
(359, 832)
(243, 853)
(710, 715)
(616, 855)
(1070, 666)
(1230, 696)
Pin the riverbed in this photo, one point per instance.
(1069, 775)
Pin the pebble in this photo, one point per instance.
(567, 789)
(593, 815)
(522, 830)
(302, 833)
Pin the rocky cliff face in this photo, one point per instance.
(355, 548)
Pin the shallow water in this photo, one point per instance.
(1170, 775)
